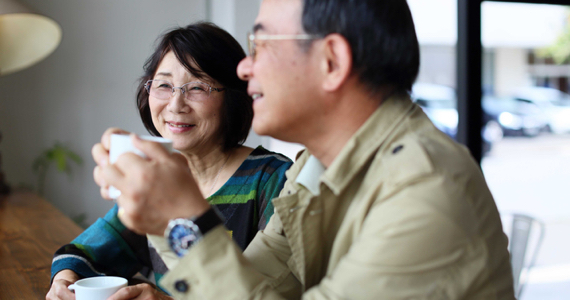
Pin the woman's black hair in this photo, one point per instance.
(216, 54)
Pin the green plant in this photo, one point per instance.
(559, 51)
(59, 155)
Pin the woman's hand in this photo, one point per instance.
(100, 154)
(58, 289)
(154, 189)
(143, 291)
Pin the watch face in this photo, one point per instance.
(182, 236)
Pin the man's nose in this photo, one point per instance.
(244, 68)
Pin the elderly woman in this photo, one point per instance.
(190, 94)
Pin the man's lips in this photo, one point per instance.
(256, 96)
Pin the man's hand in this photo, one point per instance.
(143, 291)
(100, 153)
(58, 289)
(155, 189)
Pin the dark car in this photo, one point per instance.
(439, 102)
(517, 117)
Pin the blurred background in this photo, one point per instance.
(65, 102)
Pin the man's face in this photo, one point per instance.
(280, 77)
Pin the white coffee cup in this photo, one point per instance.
(97, 288)
(121, 143)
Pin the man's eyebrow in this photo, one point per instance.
(258, 27)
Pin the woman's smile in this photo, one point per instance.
(178, 127)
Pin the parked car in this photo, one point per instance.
(554, 104)
(439, 102)
(440, 105)
(516, 117)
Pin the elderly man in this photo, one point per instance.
(381, 205)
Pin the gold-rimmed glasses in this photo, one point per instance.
(195, 90)
(251, 38)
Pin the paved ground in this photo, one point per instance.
(532, 176)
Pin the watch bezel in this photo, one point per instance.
(183, 241)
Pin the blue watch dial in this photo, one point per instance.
(182, 236)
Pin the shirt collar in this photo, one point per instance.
(310, 175)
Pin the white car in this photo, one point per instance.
(554, 103)
(439, 103)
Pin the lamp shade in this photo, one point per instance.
(25, 37)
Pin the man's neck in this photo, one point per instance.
(336, 129)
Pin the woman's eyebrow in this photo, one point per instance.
(165, 74)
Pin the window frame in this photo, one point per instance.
(470, 70)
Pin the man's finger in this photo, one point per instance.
(129, 161)
(112, 175)
(100, 154)
(152, 150)
(98, 177)
(106, 138)
(105, 193)
(179, 158)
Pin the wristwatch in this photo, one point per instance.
(183, 233)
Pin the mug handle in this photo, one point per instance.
(71, 287)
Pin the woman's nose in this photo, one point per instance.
(176, 104)
(244, 68)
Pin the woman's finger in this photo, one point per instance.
(129, 292)
(59, 291)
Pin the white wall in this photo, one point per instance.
(237, 18)
(437, 65)
(511, 70)
(85, 86)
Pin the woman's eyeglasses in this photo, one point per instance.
(195, 90)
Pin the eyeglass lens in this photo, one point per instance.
(251, 45)
(164, 90)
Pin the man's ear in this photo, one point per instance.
(336, 63)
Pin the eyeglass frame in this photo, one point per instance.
(251, 37)
(181, 88)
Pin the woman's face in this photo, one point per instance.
(192, 124)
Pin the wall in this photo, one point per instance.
(511, 70)
(85, 86)
(237, 19)
(437, 65)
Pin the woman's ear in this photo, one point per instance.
(336, 63)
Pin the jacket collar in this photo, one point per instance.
(364, 144)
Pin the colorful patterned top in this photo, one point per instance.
(107, 247)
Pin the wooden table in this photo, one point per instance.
(31, 230)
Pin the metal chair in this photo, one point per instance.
(525, 235)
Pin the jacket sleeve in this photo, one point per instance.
(106, 247)
(215, 268)
(403, 250)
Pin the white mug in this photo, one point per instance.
(97, 288)
(121, 143)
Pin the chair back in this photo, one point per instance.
(525, 235)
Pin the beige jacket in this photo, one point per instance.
(403, 212)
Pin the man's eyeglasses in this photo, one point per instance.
(251, 38)
(195, 90)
